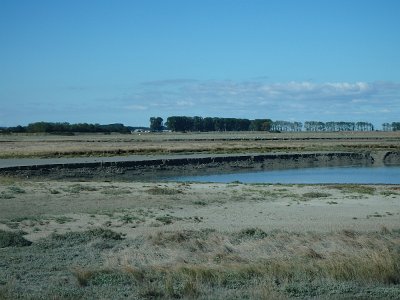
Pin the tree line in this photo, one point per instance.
(338, 126)
(200, 124)
(184, 123)
(394, 126)
(64, 127)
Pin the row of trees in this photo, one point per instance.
(394, 126)
(286, 126)
(49, 127)
(338, 126)
(182, 123)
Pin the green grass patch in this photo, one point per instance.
(73, 238)
(312, 195)
(167, 219)
(251, 233)
(389, 193)
(355, 188)
(115, 191)
(13, 239)
(5, 196)
(32, 220)
(278, 193)
(131, 219)
(200, 203)
(63, 219)
(16, 190)
(77, 188)
(163, 191)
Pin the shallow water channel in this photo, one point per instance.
(349, 174)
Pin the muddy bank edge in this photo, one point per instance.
(153, 168)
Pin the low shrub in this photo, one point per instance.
(13, 239)
(251, 233)
(163, 191)
(312, 195)
(87, 236)
(355, 188)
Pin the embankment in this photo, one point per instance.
(160, 166)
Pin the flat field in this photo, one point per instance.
(213, 142)
(158, 240)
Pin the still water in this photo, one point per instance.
(361, 175)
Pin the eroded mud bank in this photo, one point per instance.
(156, 167)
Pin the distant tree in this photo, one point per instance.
(208, 124)
(396, 126)
(387, 127)
(364, 126)
(286, 126)
(338, 126)
(260, 125)
(156, 123)
(48, 127)
(17, 129)
(198, 124)
(117, 127)
(182, 123)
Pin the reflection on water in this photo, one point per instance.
(362, 175)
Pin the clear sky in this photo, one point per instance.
(101, 61)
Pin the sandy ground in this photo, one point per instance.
(135, 208)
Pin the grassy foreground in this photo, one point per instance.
(133, 240)
(206, 264)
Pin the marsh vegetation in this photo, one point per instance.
(198, 241)
(44, 145)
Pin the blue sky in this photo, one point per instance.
(125, 61)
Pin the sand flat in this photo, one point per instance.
(40, 208)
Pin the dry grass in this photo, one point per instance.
(164, 191)
(209, 264)
(124, 256)
(109, 145)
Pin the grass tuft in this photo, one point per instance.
(16, 190)
(115, 191)
(251, 233)
(5, 196)
(86, 236)
(13, 239)
(313, 195)
(167, 219)
(77, 188)
(163, 191)
(355, 188)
